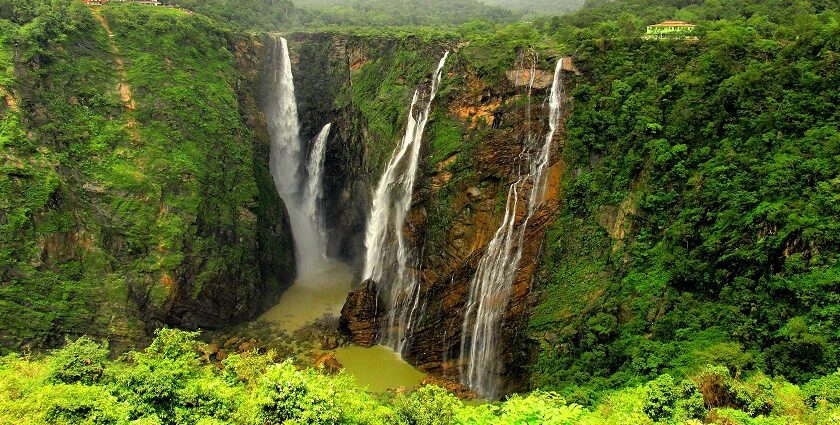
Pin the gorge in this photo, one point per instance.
(553, 217)
(395, 295)
(391, 270)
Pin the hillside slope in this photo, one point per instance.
(700, 218)
(135, 189)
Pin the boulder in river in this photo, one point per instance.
(329, 363)
(360, 314)
(329, 342)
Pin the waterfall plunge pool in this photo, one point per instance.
(310, 298)
(378, 368)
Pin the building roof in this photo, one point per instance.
(673, 24)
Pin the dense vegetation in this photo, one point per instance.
(47, 293)
(691, 274)
(700, 223)
(396, 12)
(128, 176)
(254, 14)
(170, 383)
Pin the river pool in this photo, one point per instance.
(310, 298)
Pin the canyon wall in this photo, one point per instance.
(135, 184)
(479, 121)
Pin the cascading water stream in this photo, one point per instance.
(314, 192)
(286, 159)
(386, 264)
(492, 284)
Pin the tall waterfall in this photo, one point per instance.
(387, 257)
(287, 157)
(314, 192)
(491, 286)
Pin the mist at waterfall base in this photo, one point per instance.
(389, 260)
(491, 286)
(300, 187)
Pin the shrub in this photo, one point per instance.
(754, 396)
(661, 398)
(173, 344)
(428, 405)
(154, 384)
(713, 383)
(690, 404)
(246, 368)
(289, 396)
(668, 400)
(825, 390)
(538, 408)
(82, 360)
(81, 404)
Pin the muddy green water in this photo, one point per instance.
(377, 368)
(311, 297)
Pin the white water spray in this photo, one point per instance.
(491, 286)
(386, 264)
(286, 159)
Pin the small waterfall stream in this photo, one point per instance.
(286, 162)
(314, 193)
(387, 257)
(491, 286)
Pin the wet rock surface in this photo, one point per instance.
(456, 205)
(360, 314)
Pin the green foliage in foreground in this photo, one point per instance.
(168, 383)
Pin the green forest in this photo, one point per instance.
(690, 273)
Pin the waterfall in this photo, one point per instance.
(491, 286)
(286, 158)
(314, 192)
(386, 264)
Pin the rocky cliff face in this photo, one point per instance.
(322, 69)
(452, 250)
(250, 285)
(360, 314)
(478, 125)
